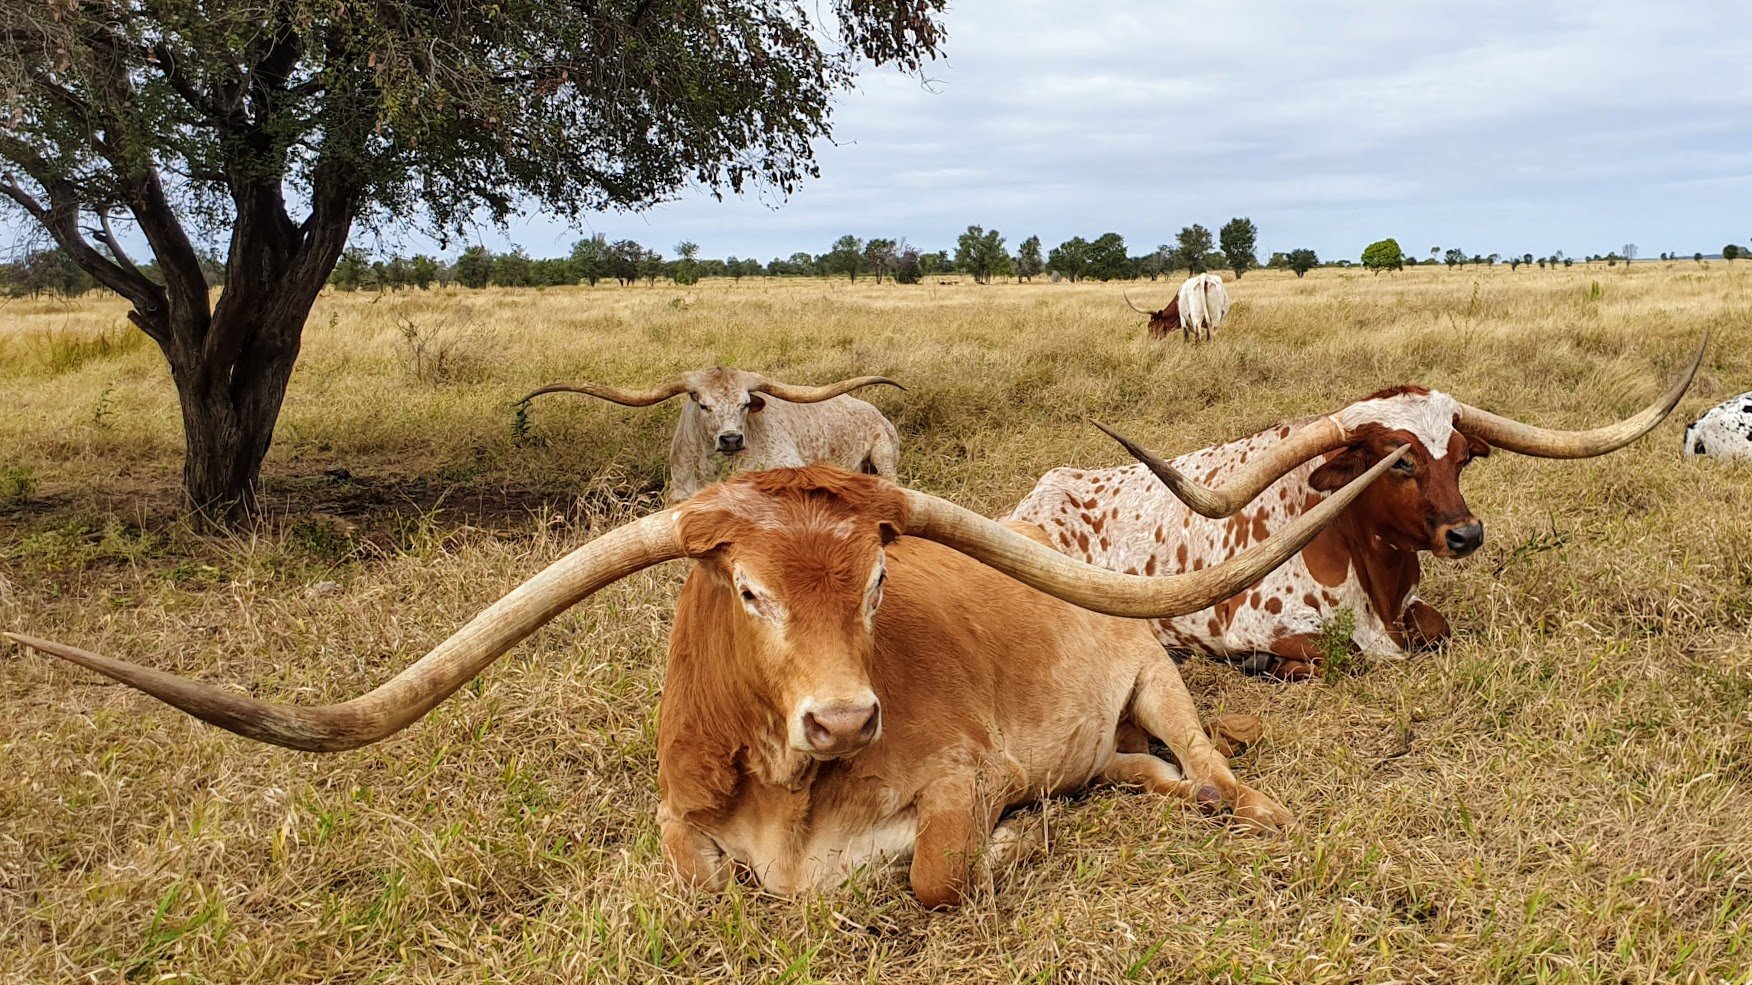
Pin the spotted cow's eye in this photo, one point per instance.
(704, 407)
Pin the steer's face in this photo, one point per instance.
(723, 401)
(1418, 505)
(804, 579)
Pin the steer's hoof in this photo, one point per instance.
(1256, 812)
(1210, 800)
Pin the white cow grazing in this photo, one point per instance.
(1203, 303)
(1725, 432)
(754, 423)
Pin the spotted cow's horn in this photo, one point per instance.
(1526, 439)
(1132, 596)
(1247, 480)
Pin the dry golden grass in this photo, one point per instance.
(1564, 794)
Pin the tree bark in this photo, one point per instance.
(228, 424)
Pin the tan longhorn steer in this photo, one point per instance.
(857, 673)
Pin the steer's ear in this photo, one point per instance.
(1338, 472)
(888, 531)
(1477, 447)
(756, 403)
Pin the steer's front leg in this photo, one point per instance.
(1424, 627)
(955, 821)
(696, 859)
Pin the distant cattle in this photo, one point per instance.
(1724, 432)
(857, 673)
(1129, 520)
(728, 418)
(1197, 310)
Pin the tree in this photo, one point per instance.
(283, 124)
(352, 271)
(651, 266)
(846, 257)
(981, 254)
(590, 259)
(1028, 261)
(1239, 237)
(1383, 254)
(474, 268)
(625, 258)
(1629, 252)
(1107, 259)
(1069, 258)
(1697, 257)
(1161, 259)
(1302, 261)
(1454, 257)
(907, 267)
(687, 267)
(879, 256)
(422, 271)
(1193, 247)
(513, 269)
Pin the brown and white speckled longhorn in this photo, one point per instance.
(1128, 519)
(749, 422)
(857, 673)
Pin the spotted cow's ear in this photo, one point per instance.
(1338, 472)
(756, 403)
(1477, 447)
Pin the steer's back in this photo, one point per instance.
(1123, 519)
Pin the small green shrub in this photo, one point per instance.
(17, 485)
(1337, 652)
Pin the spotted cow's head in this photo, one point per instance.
(1418, 506)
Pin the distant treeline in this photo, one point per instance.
(979, 253)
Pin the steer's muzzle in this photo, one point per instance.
(831, 729)
(1462, 539)
(729, 442)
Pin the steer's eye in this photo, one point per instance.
(1405, 465)
(748, 596)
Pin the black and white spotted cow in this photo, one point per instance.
(1724, 432)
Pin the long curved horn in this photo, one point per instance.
(410, 694)
(1512, 435)
(1134, 307)
(1132, 596)
(631, 398)
(816, 394)
(1246, 481)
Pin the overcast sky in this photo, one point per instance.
(1501, 127)
(1494, 127)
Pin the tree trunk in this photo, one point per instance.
(229, 415)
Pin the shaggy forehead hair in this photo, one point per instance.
(813, 498)
(1427, 415)
(722, 381)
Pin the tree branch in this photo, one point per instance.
(60, 219)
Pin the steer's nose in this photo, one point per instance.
(840, 728)
(1464, 538)
(730, 442)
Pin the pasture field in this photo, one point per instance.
(1564, 794)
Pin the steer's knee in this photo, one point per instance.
(1425, 628)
